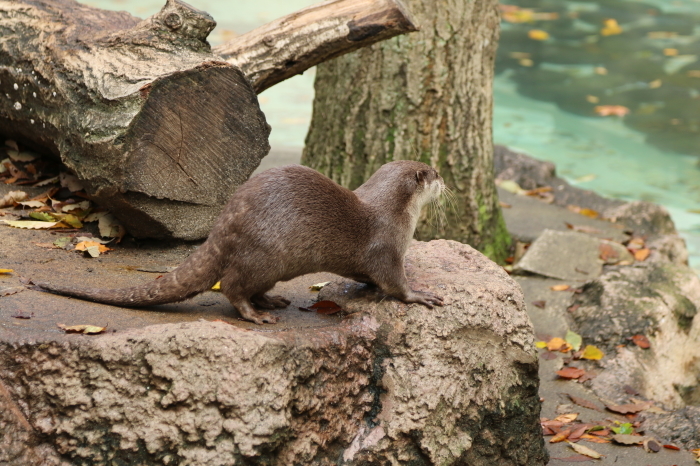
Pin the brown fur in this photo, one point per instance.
(290, 221)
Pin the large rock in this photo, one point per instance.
(389, 383)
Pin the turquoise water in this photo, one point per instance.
(592, 152)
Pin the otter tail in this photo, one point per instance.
(197, 274)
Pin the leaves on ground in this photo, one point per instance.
(623, 428)
(592, 352)
(631, 408)
(323, 307)
(570, 372)
(318, 286)
(641, 341)
(85, 329)
(561, 287)
(6, 271)
(628, 439)
(583, 450)
(110, 227)
(584, 403)
(216, 287)
(31, 225)
(12, 198)
(573, 339)
(22, 315)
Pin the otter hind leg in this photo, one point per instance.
(266, 301)
(239, 299)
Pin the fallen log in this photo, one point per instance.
(160, 128)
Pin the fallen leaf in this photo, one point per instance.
(578, 432)
(6, 271)
(22, 315)
(84, 205)
(541, 304)
(216, 287)
(556, 344)
(33, 204)
(585, 403)
(93, 248)
(585, 450)
(42, 216)
(630, 408)
(541, 344)
(635, 243)
(85, 329)
(318, 286)
(71, 220)
(582, 228)
(30, 225)
(561, 436)
(608, 254)
(538, 34)
(573, 339)
(610, 28)
(12, 198)
(671, 447)
(25, 156)
(110, 227)
(628, 439)
(592, 352)
(9, 290)
(670, 52)
(641, 254)
(62, 242)
(510, 186)
(641, 341)
(326, 307)
(566, 418)
(45, 182)
(570, 373)
(561, 287)
(615, 110)
(504, 205)
(594, 439)
(95, 216)
(70, 181)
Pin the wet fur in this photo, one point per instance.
(291, 221)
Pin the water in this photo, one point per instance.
(599, 153)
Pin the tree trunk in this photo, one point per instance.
(428, 97)
(158, 127)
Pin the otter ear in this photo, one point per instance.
(421, 175)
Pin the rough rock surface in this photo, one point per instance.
(390, 383)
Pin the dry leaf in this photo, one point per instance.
(45, 182)
(25, 156)
(592, 352)
(558, 344)
(641, 254)
(628, 439)
(585, 450)
(538, 34)
(585, 403)
(641, 341)
(561, 436)
(631, 408)
(31, 225)
(594, 439)
(86, 329)
(610, 28)
(70, 181)
(570, 373)
(216, 287)
(2, 271)
(671, 447)
(561, 287)
(615, 110)
(541, 304)
(93, 248)
(318, 286)
(110, 227)
(566, 418)
(12, 198)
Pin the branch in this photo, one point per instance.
(290, 45)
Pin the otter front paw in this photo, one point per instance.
(425, 298)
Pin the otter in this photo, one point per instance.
(290, 221)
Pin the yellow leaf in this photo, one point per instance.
(86, 329)
(86, 245)
(541, 344)
(592, 352)
(611, 28)
(558, 344)
(318, 286)
(566, 418)
(670, 52)
(6, 270)
(31, 225)
(216, 287)
(561, 287)
(581, 450)
(538, 34)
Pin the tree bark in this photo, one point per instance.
(428, 97)
(158, 127)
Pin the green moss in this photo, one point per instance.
(496, 246)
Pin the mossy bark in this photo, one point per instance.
(425, 96)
